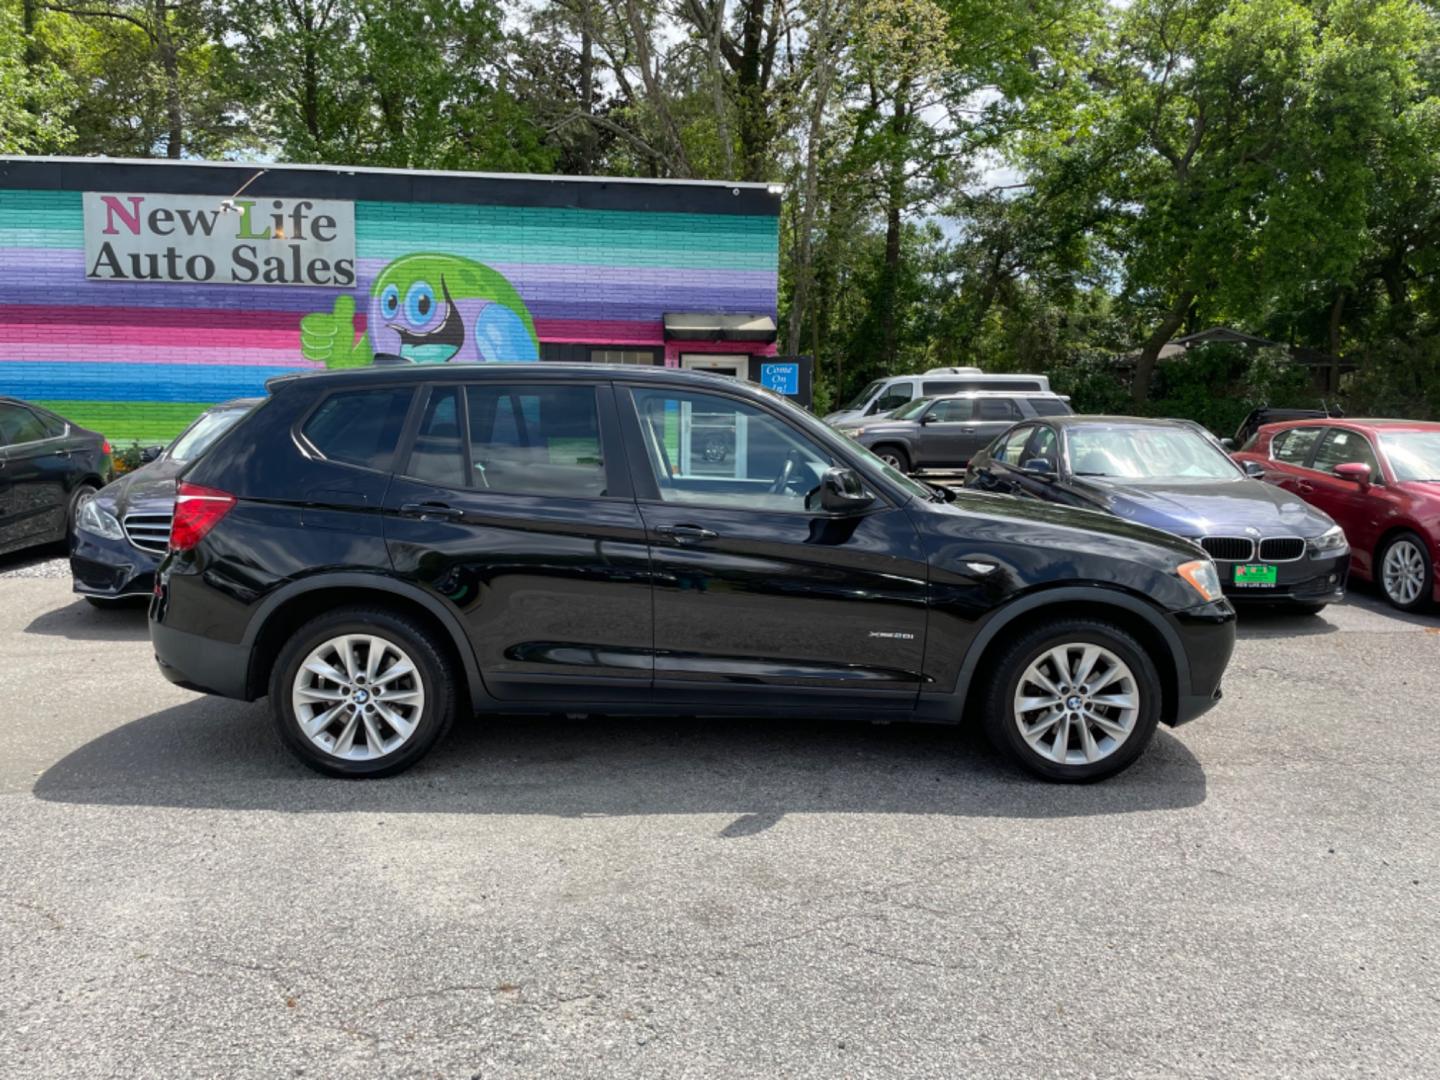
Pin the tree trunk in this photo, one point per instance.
(894, 204)
(29, 15)
(587, 83)
(717, 87)
(170, 64)
(1337, 316)
(750, 92)
(1145, 365)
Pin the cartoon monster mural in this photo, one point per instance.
(428, 308)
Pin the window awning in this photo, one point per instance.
(700, 326)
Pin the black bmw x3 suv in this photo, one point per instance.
(382, 550)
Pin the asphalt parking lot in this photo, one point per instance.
(1260, 895)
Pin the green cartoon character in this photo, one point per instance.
(429, 309)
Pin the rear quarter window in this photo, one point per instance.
(359, 427)
(1049, 407)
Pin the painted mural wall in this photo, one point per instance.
(434, 282)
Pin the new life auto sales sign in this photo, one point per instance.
(204, 239)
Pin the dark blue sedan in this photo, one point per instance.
(1268, 545)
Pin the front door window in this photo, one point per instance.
(709, 450)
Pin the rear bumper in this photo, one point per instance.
(201, 663)
(110, 569)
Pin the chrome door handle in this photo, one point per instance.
(685, 534)
(61, 453)
(432, 511)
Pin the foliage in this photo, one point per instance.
(1038, 185)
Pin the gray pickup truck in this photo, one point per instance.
(942, 432)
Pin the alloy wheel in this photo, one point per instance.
(1403, 572)
(358, 697)
(1076, 703)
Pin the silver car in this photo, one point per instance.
(943, 432)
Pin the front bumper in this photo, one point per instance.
(1207, 637)
(1304, 580)
(110, 569)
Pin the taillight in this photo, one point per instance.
(105, 447)
(197, 511)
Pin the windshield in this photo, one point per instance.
(1142, 452)
(196, 439)
(909, 410)
(1414, 455)
(866, 394)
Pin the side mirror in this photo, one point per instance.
(150, 453)
(1356, 471)
(928, 418)
(841, 491)
(1253, 469)
(1039, 468)
(1228, 444)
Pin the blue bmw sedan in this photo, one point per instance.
(1268, 545)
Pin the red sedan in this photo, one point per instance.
(1380, 479)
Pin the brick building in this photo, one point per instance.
(137, 292)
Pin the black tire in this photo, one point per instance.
(894, 456)
(1002, 725)
(434, 673)
(1427, 587)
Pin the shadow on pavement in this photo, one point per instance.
(1261, 622)
(211, 753)
(81, 621)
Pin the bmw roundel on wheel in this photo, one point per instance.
(387, 551)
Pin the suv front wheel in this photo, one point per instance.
(1073, 700)
(361, 692)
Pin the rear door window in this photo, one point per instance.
(952, 412)
(1049, 407)
(359, 427)
(19, 425)
(997, 409)
(535, 440)
(1293, 446)
(515, 440)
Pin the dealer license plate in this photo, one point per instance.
(1255, 576)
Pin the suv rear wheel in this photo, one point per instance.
(361, 692)
(1074, 700)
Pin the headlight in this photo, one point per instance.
(1328, 544)
(1200, 575)
(94, 519)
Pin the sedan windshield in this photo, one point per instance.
(866, 394)
(1414, 455)
(196, 439)
(1145, 452)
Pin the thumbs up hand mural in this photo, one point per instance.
(331, 339)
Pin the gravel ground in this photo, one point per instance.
(1259, 896)
(50, 561)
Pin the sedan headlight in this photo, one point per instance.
(1328, 544)
(93, 518)
(1200, 575)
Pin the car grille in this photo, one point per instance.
(1229, 548)
(148, 532)
(1282, 549)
